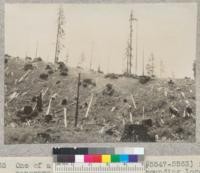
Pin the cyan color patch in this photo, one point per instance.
(124, 158)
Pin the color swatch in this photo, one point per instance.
(98, 155)
(84, 151)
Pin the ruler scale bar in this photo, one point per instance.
(112, 168)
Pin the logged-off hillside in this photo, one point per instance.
(119, 106)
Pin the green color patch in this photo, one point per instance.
(115, 158)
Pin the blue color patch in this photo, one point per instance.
(124, 158)
(133, 158)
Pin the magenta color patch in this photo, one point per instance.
(88, 159)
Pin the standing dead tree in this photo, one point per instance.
(77, 101)
(127, 58)
(82, 59)
(162, 68)
(60, 33)
(36, 51)
(129, 50)
(67, 58)
(130, 44)
(194, 68)
(91, 55)
(136, 47)
(150, 67)
(143, 59)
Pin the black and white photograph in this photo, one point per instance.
(100, 73)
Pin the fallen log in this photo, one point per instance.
(49, 107)
(173, 111)
(133, 100)
(113, 109)
(53, 97)
(162, 121)
(24, 76)
(44, 93)
(24, 93)
(183, 94)
(88, 109)
(13, 96)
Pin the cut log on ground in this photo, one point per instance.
(24, 76)
(88, 109)
(133, 100)
(113, 109)
(173, 111)
(13, 96)
(44, 93)
(49, 107)
(183, 94)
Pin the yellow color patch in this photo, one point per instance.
(106, 158)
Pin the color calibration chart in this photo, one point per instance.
(98, 160)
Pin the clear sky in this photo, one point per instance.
(168, 30)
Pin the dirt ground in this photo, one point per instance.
(110, 109)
